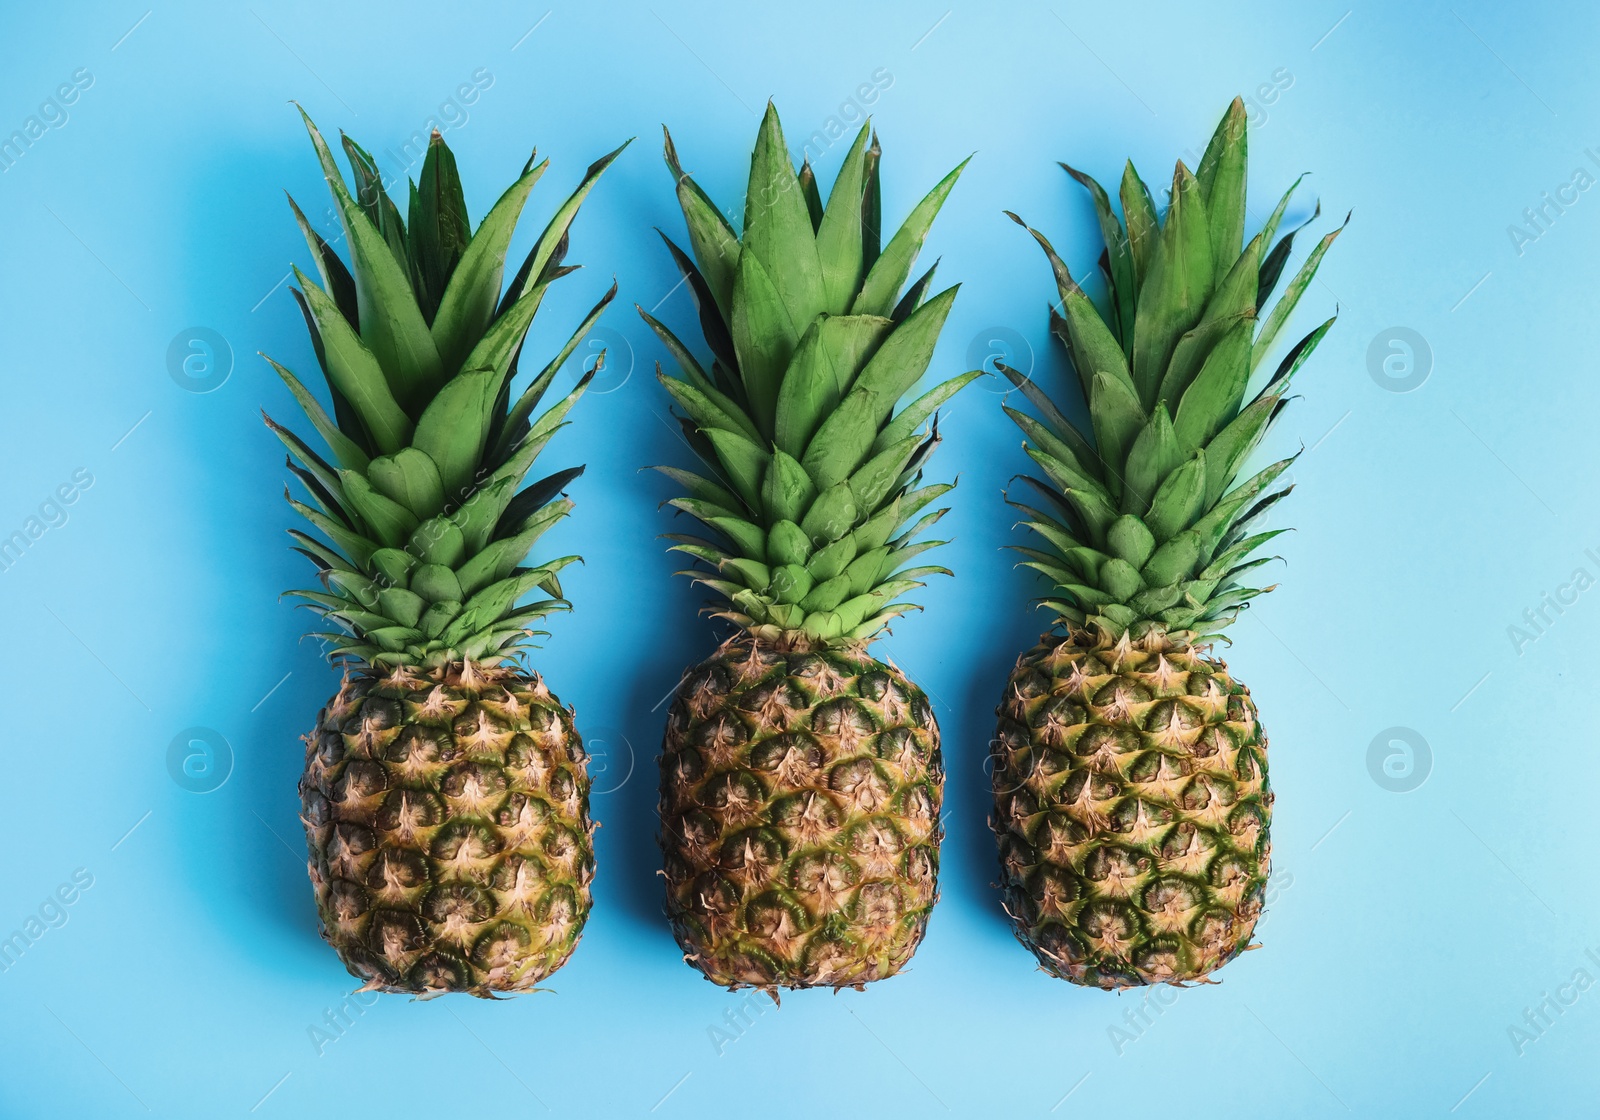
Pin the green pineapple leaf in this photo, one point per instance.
(336, 278)
(1176, 286)
(764, 338)
(454, 428)
(410, 478)
(343, 447)
(1291, 296)
(356, 372)
(1145, 524)
(392, 323)
(778, 230)
(438, 234)
(839, 244)
(1221, 178)
(889, 271)
(1144, 231)
(715, 245)
(468, 286)
(1212, 399)
(1156, 451)
(798, 418)
(824, 367)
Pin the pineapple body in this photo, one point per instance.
(1132, 809)
(447, 816)
(445, 796)
(801, 779)
(800, 799)
(1130, 770)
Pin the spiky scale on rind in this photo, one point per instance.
(447, 816)
(800, 800)
(1132, 808)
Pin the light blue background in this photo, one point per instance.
(1408, 931)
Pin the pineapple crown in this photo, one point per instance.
(811, 473)
(1144, 525)
(423, 519)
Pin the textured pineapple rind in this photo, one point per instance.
(447, 819)
(1132, 809)
(800, 801)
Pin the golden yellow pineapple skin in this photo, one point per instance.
(800, 800)
(1132, 809)
(447, 816)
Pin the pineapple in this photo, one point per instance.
(445, 792)
(1131, 800)
(801, 779)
